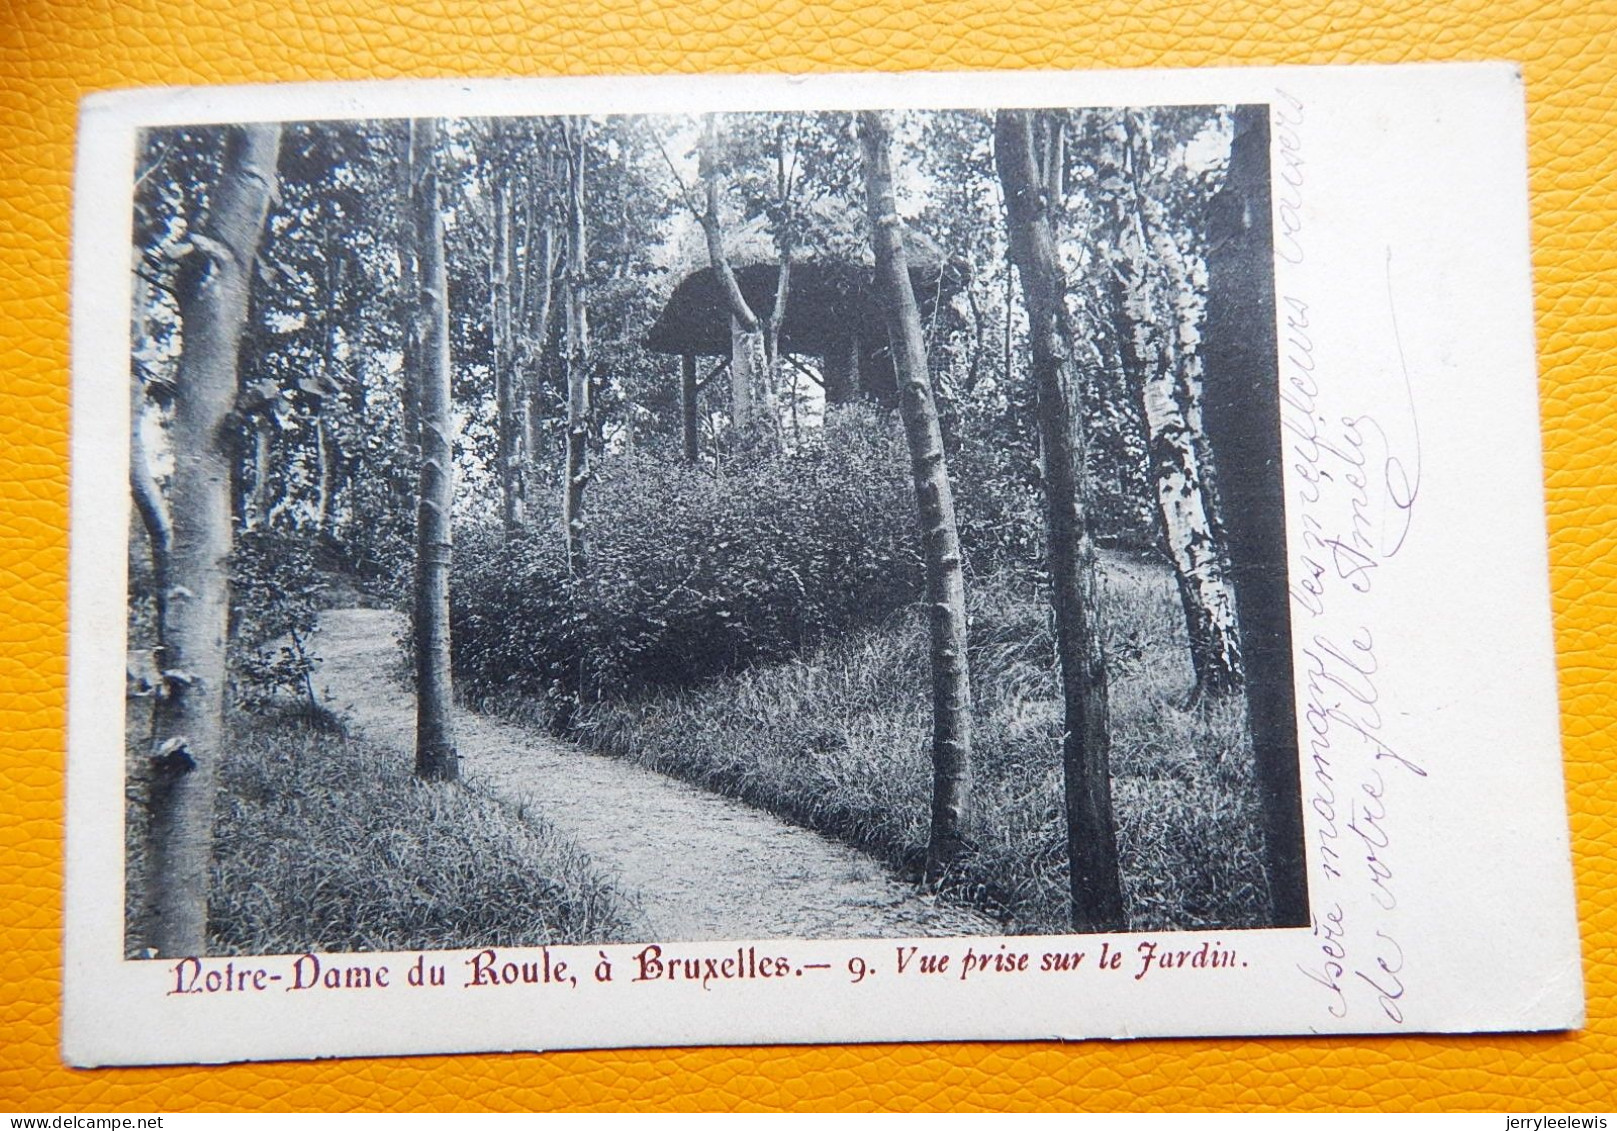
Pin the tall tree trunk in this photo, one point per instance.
(975, 361)
(188, 729)
(576, 359)
(148, 496)
(1152, 284)
(945, 583)
(505, 377)
(1179, 481)
(1097, 893)
(688, 407)
(785, 245)
(328, 455)
(774, 363)
(1243, 427)
(435, 757)
(1010, 302)
(749, 353)
(409, 292)
(749, 361)
(538, 337)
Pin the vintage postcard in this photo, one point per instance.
(581, 563)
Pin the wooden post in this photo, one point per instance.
(842, 370)
(687, 405)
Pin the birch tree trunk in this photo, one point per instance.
(537, 337)
(149, 501)
(435, 757)
(1151, 286)
(749, 352)
(408, 295)
(1181, 488)
(501, 309)
(945, 583)
(774, 363)
(188, 728)
(748, 360)
(576, 355)
(1097, 893)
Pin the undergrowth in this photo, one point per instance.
(838, 741)
(689, 576)
(325, 843)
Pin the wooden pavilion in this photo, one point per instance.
(833, 320)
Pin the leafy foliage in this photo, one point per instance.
(276, 588)
(763, 587)
(691, 576)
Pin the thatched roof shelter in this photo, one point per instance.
(830, 298)
(829, 302)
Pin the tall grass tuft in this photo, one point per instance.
(839, 741)
(323, 842)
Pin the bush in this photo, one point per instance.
(376, 546)
(689, 575)
(276, 587)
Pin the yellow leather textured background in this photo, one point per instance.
(52, 53)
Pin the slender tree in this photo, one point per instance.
(211, 287)
(408, 295)
(435, 757)
(256, 505)
(945, 582)
(503, 315)
(1154, 307)
(1030, 168)
(326, 387)
(1243, 425)
(148, 496)
(540, 255)
(576, 352)
(782, 212)
(749, 354)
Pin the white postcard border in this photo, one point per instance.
(1409, 221)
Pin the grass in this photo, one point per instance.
(325, 843)
(839, 741)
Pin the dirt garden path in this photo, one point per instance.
(697, 865)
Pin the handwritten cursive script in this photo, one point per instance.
(1353, 464)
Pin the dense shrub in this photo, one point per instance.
(276, 587)
(376, 545)
(691, 575)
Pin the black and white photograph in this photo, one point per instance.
(741, 525)
(607, 562)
